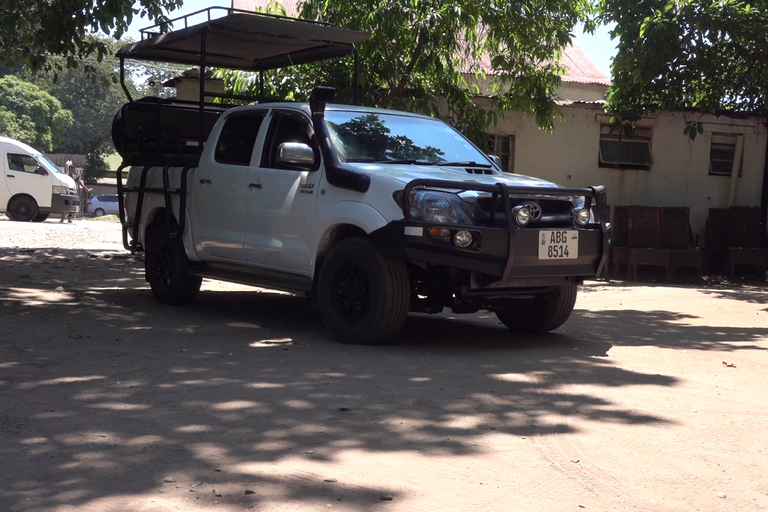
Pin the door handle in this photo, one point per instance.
(205, 181)
(254, 185)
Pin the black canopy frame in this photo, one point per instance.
(241, 40)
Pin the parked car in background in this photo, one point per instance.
(105, 204)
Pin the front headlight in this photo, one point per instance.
(439, 207)
(60, 189)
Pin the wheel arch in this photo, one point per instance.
(328, 240)
(155, 217)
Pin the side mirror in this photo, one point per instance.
(41, 170)
(295, 153)
(496, 160)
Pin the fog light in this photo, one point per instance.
(582, 216)
(462, 239)
(522, 215)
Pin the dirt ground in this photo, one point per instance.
(650, 398)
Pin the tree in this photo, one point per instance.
(425, 55)
(688, 54)
(31, 115)
(33, 31)
(93, 105)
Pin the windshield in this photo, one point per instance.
(50, 166)
(392, 138)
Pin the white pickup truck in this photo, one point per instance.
(371, 213)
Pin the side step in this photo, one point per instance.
(250, 276)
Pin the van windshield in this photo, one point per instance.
(50, 166)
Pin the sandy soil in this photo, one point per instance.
(651, 398)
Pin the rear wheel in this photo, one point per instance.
(363, 297)
(167, 269)
(22, 208)
(541, 314)
(98, 212)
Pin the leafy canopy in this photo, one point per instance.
(32, 31)
(429, 56)
(688, 54)
(30, 114)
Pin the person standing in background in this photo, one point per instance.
(79, 185)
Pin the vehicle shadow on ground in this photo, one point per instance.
(108, 393)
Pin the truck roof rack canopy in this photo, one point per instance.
(170, 130)
(244, 40)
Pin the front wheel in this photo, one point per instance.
(22, 208)
(167, 269)
(541, 314)
(363, 297)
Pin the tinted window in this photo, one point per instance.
(235, 144)
(24, 163)
(287, 127)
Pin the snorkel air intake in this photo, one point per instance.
(338, 174)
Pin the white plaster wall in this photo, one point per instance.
(680, 172)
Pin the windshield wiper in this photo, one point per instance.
(406, 161)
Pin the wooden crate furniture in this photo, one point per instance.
(732, 242)
(620, 241)
(744, 241)
(677, 237)
(644, 239)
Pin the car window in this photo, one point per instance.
(238, 135)
(287, 127)
(24, 163)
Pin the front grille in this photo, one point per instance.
(555, 213)
(549, 207)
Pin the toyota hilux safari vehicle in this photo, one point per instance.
(31, 186)
(371, 213)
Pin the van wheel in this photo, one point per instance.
(22, 208)
(98, 212)
(40, 217)
(167, 269)
(363, 297)
(539, 315)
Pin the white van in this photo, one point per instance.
(31, 186)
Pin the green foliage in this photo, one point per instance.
(31, 115)
(34, 31)
(688, 54)
(428, 56)
(93, 105)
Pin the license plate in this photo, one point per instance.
(558, 245)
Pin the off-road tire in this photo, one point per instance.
(363, 297)
(22, 208)
(167, 269)
(539, 315)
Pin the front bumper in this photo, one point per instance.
(63, 203)
(509, 255)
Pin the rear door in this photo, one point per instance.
(221, 187)
(281, 200)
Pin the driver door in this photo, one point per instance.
(282, 198)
